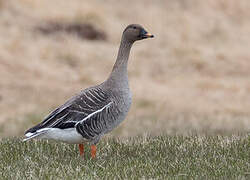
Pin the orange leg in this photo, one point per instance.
(93, 151)
(81, 149)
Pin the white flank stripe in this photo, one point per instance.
(95, 112)
(43, 129)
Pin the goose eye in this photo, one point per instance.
(134, 27)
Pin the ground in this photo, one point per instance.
(162, 157)
(193, 76)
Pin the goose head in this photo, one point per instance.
(135, 32)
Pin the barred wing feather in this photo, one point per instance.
(88, 103)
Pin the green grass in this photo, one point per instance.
(163, 157)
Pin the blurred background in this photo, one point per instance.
(194, 76)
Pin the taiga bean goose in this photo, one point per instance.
(97, 110)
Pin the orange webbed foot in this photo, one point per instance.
(81, 149)
(93, 151)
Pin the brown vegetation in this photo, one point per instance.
(194, 75)
(83, 31)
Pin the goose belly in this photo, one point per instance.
(70, 135)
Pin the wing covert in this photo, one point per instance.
(80, 108)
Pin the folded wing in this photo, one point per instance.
(82, 111)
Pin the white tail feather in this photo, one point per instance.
(33, 135)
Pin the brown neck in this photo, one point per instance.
(119, 74)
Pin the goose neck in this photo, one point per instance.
(119, 73)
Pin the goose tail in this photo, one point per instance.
(36, 134)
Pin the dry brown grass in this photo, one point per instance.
(193, 76)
